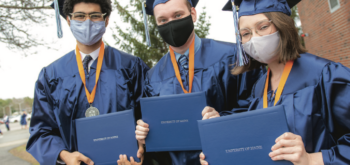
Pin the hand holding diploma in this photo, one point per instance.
(209, 113)
(142, 130)
(75, 158)
(288, 147)
(202, 159)
(291, 147)
(123, 159)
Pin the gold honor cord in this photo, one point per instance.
(92, 111)
(285, 74)
(190, 69)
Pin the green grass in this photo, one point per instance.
(21, 152)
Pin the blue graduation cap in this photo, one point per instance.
(252, 7)
(147, 8)
(58, 6)
(150, 4)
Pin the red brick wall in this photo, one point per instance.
(329, 33)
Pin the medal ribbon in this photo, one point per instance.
(285, 74)
(90, 97)
(190, 67)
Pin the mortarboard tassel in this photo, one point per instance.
(242, 58)
(58, 20)
(148, 39)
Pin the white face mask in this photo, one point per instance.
(263, 48)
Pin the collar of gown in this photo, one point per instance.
(93, 54)
(197, 45)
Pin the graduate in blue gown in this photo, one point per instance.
(24, 120)
(213, 62)
(60, 95)
(315, 94)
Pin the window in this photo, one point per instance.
(334, 5)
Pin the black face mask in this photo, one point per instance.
(176, 33)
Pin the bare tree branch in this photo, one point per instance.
(25, 8)
(17, 18)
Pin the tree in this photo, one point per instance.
(17, 18)
(4, 106)
(26, 103)
(133, 39)
(296, 18)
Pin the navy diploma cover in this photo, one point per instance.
(172, 121)
(103, 138)
(244, 138)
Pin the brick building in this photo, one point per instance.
(327, 23)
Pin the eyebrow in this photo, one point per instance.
(261, 21)
(181, 11)
(88, 13)
(255, 24)
(177, 12)
(161, 17)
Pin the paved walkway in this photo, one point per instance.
(8, 159)
(12, 139)
(13, 127)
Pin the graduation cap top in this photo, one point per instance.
(150, 4)
(252, 7)
(60, 7)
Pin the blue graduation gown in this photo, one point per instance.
(213, 64)
(60, 99)
(316, 99)
(23, 119)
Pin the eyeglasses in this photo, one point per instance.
(81, 17)
(262, 28)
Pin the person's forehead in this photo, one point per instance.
(87, 7)
(169, 7)
(251, 20)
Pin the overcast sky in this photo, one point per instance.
(18, 73)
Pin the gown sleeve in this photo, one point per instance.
(139, 75)
(148, 88)
(335, 94)
(139, 78)
(45, 142)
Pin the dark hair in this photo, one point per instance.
(289, 47)
(106, 6)
(188, 4)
